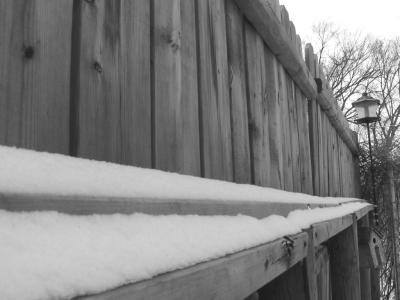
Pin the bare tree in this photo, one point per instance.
(356, 63)
(348, 62)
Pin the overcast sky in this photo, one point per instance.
(380, 18)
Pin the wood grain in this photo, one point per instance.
(176, 121)
(214, 90)
(324, 231)
(35, 74)
(294, 135)
(265, 21)
(113, 97)
(258, 115)
(285, 123)
(238, 96)
(274, 119)
(311, 266)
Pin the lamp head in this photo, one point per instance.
(366, 108)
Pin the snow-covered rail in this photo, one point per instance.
(234, 276)
(261, 232)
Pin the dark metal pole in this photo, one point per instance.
(372, 170)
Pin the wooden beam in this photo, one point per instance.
(85, 205)
(322, 272)
(311, 266)
(324, 231)
(235, 276)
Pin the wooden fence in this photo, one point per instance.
(210, 88)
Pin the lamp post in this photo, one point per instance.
(366, 108)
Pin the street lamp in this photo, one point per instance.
(366, 108)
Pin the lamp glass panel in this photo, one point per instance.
(372, 108)
(361, 112)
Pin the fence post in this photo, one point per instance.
(364, 232)
(345, 266)
(310, 266)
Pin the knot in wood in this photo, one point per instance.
(28, 52)
(175, 40)
(266, 264)
(97, 67)
(91, 2)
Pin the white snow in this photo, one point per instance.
(27, 171)
(48, 255)
(305, 218)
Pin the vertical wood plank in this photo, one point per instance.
(135, 112)
(332, 166)
(175, 87)
(238, 97)
(364, 232)
(214, 90)
(321, 153)
(307, 147)
(294, 135)
(286, 145)
(324, 152)
(323, 271)
(313, 124)
(35, 74)
(274, 119)
(336, 163)
(302, 131)
(311, 266)
(258, 114)
(285, 123)
(113, 96)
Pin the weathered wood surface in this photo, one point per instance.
(112, 82)
(214, 90)
(324, 231)
(327, 102)
(84, 205)
(264, 19)
(322, 271)
(35, 74)
(274, 117)
(258, 115)
(345, 266)
(176, 124)
(286, 140)
(238, 94)
(217, 89)
(366, 265)
(311, 266)
(235, 276)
